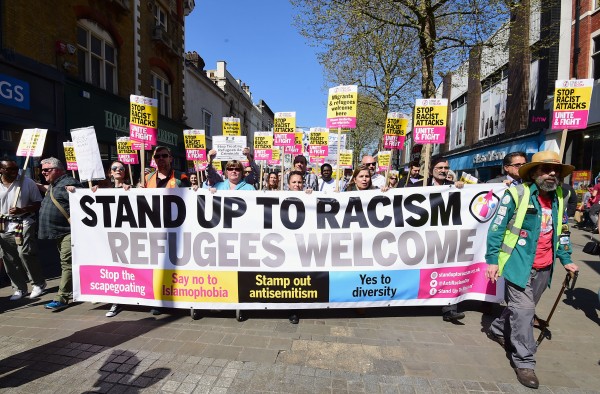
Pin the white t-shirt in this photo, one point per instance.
(378, 180)
(330, 186)
(29, 194)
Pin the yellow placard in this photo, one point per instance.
(396, 125)
(284, 122)
(276, 155)
(195, 286)
(70, 154)
(217, 165)
(346, 158)
(124, 147)
(143, 115)
(572, 99)
(384, 159)
(232, 126)
(194, 140)
(319, 138)
(263, 140)
(431, 116)
(298, 136)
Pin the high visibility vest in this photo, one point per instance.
(520, 195)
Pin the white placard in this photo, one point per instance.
(229, 147)
(87, 153)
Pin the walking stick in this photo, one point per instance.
(545, 324)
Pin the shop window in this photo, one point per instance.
(161, 90)
(96, 56)
(207, 123)
(596, 57)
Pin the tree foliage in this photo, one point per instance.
(435, 30)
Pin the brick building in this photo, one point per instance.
(81, 71)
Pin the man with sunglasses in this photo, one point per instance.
(511, 164)
(377, 180)
(165, 176)
(18, 239)
(55, 224)
(528, 232)
(310, 180)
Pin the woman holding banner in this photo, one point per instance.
(361, 180)
(118, 180)
(272, 181)
(296, 184)
(234, 171)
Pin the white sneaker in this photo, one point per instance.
(17, 295)
(37, 291)
(114, 309)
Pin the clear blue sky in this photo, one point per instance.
(261, 46)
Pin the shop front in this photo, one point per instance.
(31, 96)
(109, 114)
(486, 163)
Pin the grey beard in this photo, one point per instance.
(546, 186)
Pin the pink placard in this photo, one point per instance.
(195, 154)
(390, 141)
(263, 154)
(318, 150)
(137, 145)
(344, 122)
(316, 159)
(129, 158)
(116, 281)
(293, 149)
(284, 139)
(429, 135)
(71, 166)
(142, 134)
(570, 120)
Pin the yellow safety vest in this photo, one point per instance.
(520, 195)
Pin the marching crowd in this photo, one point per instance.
(530, 227)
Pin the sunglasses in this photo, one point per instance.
(48, 169)
(370, 164)
(234, 169)
(394, 178)
(162, 156)
(115, 168)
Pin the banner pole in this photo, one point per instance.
(130, 174)
(563, 143)
(339, 144)
(282, 159)
(143, 173)
(427, 158)
(261, 175)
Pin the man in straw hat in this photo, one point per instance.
(527, 233)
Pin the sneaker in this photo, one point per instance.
(37, 290)
(453, 316)
(113, 311)
(17, 295)
(155, 311)
(56, 305)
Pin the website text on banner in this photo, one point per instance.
(284, 250)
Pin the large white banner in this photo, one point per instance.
(255, 250)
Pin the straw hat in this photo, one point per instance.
(545, 157)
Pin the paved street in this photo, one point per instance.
(387, 350)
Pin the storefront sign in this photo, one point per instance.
(488, 156)
(14, 92)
